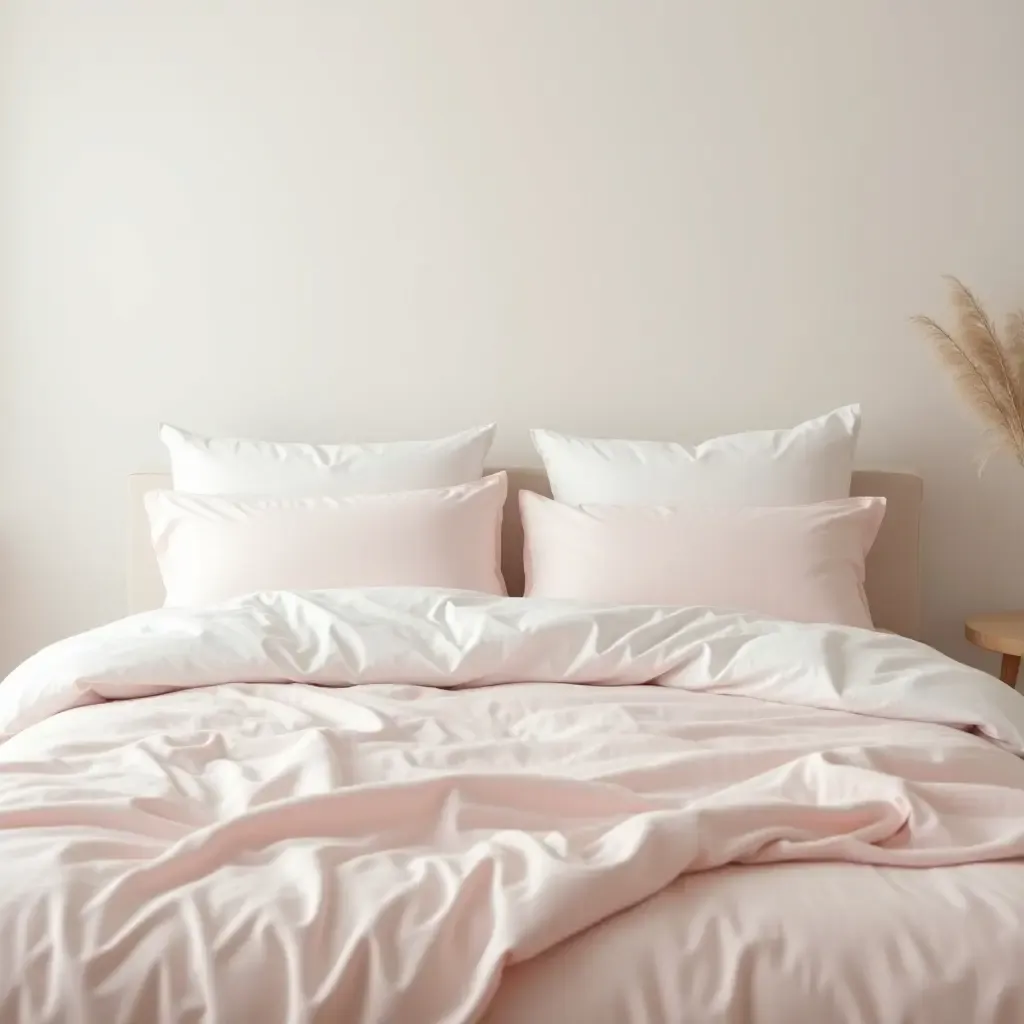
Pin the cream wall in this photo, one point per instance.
(370, 220)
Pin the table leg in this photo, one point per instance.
(1010, 668)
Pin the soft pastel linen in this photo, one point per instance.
(821, 943)
(804, 562)
(210, 548)
(369, 850)
(225, 465)
(810, 462)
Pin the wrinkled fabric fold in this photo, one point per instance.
(367, 805)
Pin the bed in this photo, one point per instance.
(404, 805)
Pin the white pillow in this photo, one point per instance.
(808, 463)
(222, 465)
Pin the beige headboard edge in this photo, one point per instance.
(893, 568)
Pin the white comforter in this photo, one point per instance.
(383, 845)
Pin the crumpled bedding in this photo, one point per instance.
(416, 806)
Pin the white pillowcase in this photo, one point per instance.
(221, 465)
(211, 548)
(808, 463)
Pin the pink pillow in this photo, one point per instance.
(212, 548)
(799, 562)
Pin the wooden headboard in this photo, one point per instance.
(893, 569)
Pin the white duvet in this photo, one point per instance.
(439, 828)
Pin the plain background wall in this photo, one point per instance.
(346, 220)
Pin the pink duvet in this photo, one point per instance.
(442, 830)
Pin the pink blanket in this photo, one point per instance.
(381, 846)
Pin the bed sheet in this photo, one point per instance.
(774, 944)
(229, 814)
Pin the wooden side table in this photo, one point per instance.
(1002, 633)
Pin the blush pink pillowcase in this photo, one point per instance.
(802, 562)
(211, 548)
